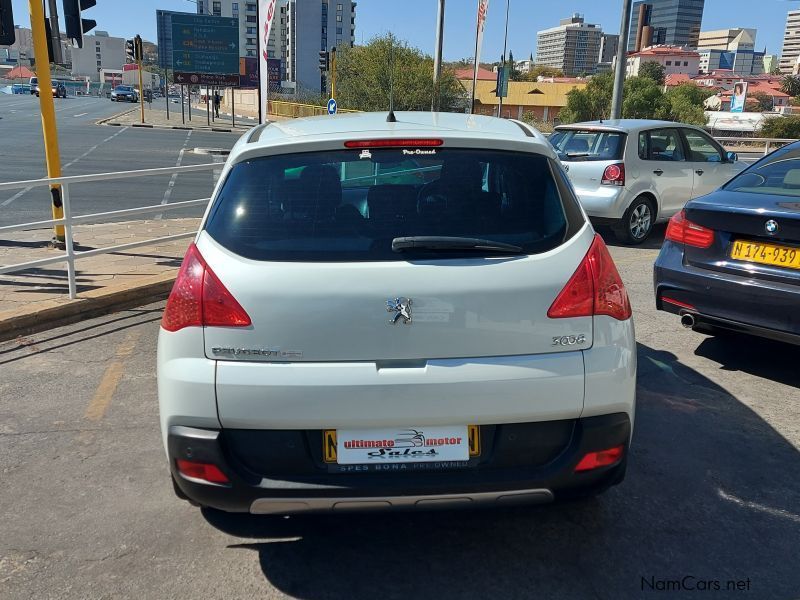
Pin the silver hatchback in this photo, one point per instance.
(632, 174)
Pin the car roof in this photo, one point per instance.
(371, 125)
(625, 125)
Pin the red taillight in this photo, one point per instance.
(614, 175)
(594, 289)
(603, 458)
(394, 143)
(682, 231)
(203, 471)
(198, 298)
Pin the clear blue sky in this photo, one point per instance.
(415, 20)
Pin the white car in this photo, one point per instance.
(395, 314)
(632, 174)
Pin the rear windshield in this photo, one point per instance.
(349, 205)
(781, 177)
(588, 144)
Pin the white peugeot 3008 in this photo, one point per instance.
(380, 314)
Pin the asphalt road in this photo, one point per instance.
(90, 148)
(712, 493)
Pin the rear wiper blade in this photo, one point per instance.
(434, 242)
(576, 154)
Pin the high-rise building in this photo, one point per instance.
(791, 42)
(573, 46)
(301, 29)
(730, 50)
(609, 44)
(671, 22)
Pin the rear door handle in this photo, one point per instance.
(699, 171)
(658, 172)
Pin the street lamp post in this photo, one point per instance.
(622, 60)
(503, 66)
(437, 61)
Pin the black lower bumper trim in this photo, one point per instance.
(326, 491)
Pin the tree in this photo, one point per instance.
(653, 70)
(513, 73)
(590, 103)
(761, 102)
(364, 78)
(791, 85)
(781, 127)
(643, 99)
(543, 71)
(686, 104)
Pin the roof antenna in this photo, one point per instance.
(390, 118)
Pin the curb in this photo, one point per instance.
(57, 313)
(116, 116)
(181, 127)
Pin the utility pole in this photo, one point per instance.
(622, 60)
(437, 58)
(47, 109)
(55, 34)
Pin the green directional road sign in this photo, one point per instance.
(205, 44)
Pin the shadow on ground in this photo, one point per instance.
(712, 494)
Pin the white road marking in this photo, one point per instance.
(69, 164)
(95, 147)
(81, 115)
(215, 174)
(174, 177)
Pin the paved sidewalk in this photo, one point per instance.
(38, 298)
(156, 117)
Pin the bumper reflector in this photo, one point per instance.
(677, 303)
(602, 458)
(203, 471)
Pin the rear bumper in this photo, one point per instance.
(604, 201)
(500, 479)
(745, 304)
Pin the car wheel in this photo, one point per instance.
(637, 222)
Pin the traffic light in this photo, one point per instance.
(130, 50)
(324, 61)
(76, 26)
(7, 35)
(138, 50)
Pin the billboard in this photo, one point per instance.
(739, 97)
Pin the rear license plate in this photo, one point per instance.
(401, 445)
(766, 254)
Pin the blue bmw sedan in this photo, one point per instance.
(731, 259)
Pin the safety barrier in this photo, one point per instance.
(294, 110)
(68, 221)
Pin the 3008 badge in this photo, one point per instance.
(569, 340)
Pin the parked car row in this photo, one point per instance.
(731, 255)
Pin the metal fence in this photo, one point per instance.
(70, 256)
(295, 110)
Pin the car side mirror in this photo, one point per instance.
(732, 157)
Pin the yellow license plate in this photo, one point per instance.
(766, 254)
(329, 443)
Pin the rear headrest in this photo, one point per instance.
(320, 191)
(391, 202)
(577, 146)
(792, 179)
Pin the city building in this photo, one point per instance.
(771, 63)
(572, 47)
(540, 100)
(665, 22)
(609, 45)
(674, 59)
(22, 49)
(301, 29)
(732, 50)
(791, 42)
(100, 51)
(524, 66)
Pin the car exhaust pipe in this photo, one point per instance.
(688, 320)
